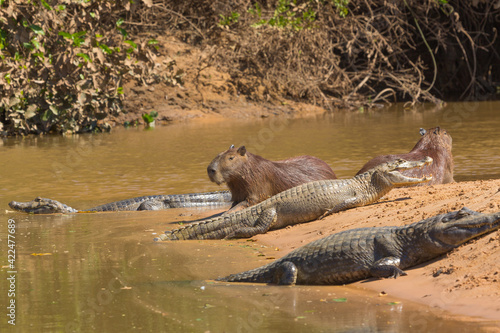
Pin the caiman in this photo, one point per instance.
(152, 202)
(303, 203)
(380, 252)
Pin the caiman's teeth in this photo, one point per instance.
(474, 226)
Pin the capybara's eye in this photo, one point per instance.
(231, 158)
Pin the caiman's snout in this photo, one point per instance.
(458, 227)
(403, 164)
(38, 206)
(23, 206)
(392, 172)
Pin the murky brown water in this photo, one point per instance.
(103, 272)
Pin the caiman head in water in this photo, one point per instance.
(389, 172)
(40, 206)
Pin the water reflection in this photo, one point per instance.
(102, 272)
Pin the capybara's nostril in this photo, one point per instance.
(211, 170)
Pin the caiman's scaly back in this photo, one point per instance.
(382, 252)
(303, 203)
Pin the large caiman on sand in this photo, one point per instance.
(151, 202)
(381, 252)
(303, 203)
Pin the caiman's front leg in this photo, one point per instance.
(264, 222)
(348, 203)
(387, 268)
(388, 258)
(151, 205)
(286, 274)
(236, 207)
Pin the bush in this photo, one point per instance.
(63, 65)
(339, 53)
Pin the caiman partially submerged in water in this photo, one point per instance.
(303, 203)
(152, 202)
(381, 252)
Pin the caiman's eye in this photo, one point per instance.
(462, 213)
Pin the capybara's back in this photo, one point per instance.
(252, 178)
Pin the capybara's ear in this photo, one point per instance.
(422, 131)
(232, 146)
(242, 150)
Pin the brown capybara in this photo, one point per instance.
(252, 179)
(436, 143)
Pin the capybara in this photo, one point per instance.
(252, 179)
(436, 143)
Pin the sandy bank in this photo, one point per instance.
(465, 281)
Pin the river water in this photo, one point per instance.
(103, 272)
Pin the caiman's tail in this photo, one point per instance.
(277, 272)
(215, 228)
(264, 274)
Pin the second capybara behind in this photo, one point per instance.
(436, 143)
(252, 178)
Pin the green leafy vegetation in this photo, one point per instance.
(286, 15)
(226, 21)
(293, 14)
(340, 300)
(341, 7)
(149, 118)
(64, 66)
